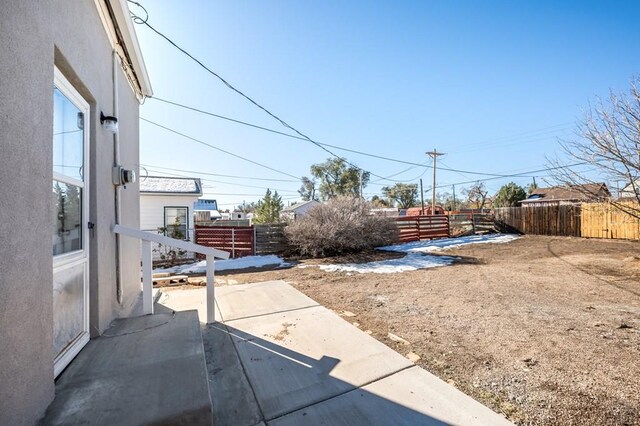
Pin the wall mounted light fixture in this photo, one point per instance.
(109, 123)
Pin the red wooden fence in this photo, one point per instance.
(237, 240)
(416, 228)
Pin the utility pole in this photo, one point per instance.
(434, 155)
(361, 194)
(421, 197)
(454, 197)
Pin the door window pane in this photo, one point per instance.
(67, 217)
(68, 137)
(175, 222)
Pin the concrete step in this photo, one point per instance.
(143, 370)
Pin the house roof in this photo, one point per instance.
(295, 207)
(119, 26)
(170, 185)
(587, 192)
(205, 205)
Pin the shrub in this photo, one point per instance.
(343, 225)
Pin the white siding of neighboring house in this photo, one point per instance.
(152, 210)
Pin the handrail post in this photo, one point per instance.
(211, 313)
(147, 280)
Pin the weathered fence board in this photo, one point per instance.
(544, 220)
(271, 239)
(605, 220)
(416, 228)
(238, 240)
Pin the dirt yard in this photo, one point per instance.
(545, 330)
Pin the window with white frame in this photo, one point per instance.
(176, 222)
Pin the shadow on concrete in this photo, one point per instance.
(282, 387)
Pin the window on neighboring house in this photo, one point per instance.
(176, 222)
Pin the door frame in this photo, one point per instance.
(78, 257)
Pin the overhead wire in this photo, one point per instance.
(220, 175)
(216, 148)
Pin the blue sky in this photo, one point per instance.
(492, 84)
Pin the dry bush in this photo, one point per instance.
(343, 225)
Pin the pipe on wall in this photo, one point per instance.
(117, 188)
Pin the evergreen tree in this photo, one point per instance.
(269, 208)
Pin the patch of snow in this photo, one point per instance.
(448, 243)
(222, 265)
(411, 262)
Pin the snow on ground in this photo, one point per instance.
(416, 257)
(411, 262)
(221, 265)
(447, 243)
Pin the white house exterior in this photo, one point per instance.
(165, 199)
(297, 210)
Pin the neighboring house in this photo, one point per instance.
(298, 210)
(167, 202)
(209, 208)
(64, 274)
(629, 193)
(567, 195)
(237, 215)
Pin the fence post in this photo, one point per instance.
(255, 238)
(233, 243)
(473, 223)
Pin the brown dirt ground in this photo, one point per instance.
(545, 330)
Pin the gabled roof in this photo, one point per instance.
(170, 185)
(586, 192)
(295, 207)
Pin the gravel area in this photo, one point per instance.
(543, 329)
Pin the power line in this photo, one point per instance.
(222, 182)
(141, 21)
(220, 175)
(380, 157)
(218, 149)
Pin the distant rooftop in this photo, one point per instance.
(205, 205)
(170, 185)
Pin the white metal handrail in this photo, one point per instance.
(147, 278)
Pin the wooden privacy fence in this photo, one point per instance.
(416, 228)
(464, 223)
(270, 239)
(237, 240)
(604, 220)
(544, 220)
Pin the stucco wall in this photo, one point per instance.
(26, 108)
(36, 34)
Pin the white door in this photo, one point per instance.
(69, 207)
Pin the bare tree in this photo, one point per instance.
(477, 194)
(608, 139)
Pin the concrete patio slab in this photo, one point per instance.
(410, 397)
(182, 300)
(249, 300)
(301, 357)
(280, 358)
(144, 370)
